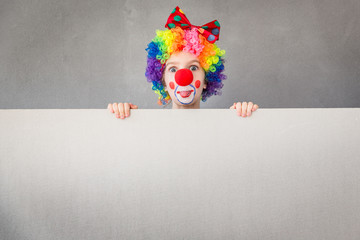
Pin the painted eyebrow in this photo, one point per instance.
(178, 63)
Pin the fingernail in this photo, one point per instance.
(127, 115)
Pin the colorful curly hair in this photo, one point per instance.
(174, 40)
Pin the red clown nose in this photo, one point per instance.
(184, 77)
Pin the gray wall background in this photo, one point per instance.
(85, 54)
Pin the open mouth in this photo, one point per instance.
(185, 94)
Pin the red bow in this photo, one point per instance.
(210, 31)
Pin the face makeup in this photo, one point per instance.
(185, 91)
(185, 79)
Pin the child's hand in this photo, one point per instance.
(121, 110)
(245, 108)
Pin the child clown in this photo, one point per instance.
(185, 66)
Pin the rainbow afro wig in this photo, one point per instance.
(177, 39)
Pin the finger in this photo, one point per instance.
(250, 105)
(255, 107)
(110, 107)
(133, 106)
(243, 110)
(127, 109)
(233, 106)
(121, 110)
(116, 109)
(238, 108)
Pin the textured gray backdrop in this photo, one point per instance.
(85, 54)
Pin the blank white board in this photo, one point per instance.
(180, 174)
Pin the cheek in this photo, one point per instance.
(172, 85)
(197, 83)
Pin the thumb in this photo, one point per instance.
(133, 106)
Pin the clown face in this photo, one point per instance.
(184, 79)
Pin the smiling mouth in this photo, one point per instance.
(185, 94)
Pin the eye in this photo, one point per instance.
(193, 67)
(172, 69)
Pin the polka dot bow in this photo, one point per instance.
(210, 31)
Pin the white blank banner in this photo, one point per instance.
(180, 174)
